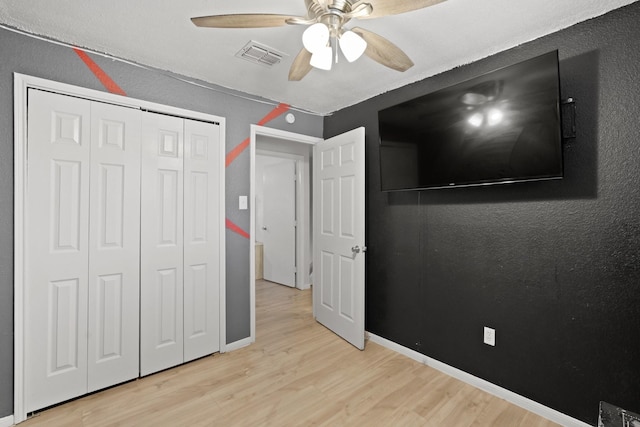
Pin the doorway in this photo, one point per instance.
(285, 145)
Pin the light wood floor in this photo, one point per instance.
(296, 374)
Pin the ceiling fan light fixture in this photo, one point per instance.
(322, 58)
(325, 20)
(315, 37)
(352, 45)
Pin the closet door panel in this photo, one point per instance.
(161, 261)
(202, 165)
(56, 249)
(114, 269)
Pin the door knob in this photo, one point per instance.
(356, 249)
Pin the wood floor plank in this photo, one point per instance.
(296, 373)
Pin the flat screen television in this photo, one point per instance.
(500, 127)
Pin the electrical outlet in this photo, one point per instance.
(490, 336)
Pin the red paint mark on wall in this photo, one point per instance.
(233, 154)
(106, 81)
(279, 110)
(236, 229)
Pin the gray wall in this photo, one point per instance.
(22, 54)
(554, 267)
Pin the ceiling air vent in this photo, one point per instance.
(260, 54)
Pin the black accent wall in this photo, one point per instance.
(554, 267)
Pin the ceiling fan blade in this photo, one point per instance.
(243, 20)
(394, 7)
(383, 51)
(300, 66)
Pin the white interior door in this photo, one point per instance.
(279, 225)
(114, 246)
(57, 250)
(201, 239)
(161, 257)
(339, 235)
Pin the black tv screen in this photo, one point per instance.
(501, 127)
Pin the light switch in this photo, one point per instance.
(243, 204)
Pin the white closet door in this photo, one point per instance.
(201, 239)
(161, 260)
(57, 252)
(114, 238)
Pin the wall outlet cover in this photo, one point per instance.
(489, 336)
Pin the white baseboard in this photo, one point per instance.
(6, 421)
(509, 396)
(305, 286)
(236, 345)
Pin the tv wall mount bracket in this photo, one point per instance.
(568, 116)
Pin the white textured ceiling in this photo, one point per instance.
(159, 34)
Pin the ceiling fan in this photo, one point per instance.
(326, 20)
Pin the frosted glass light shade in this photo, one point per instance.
(322, 58)
(352, 45)
(476, 120)
(315, 37)
(494, 117)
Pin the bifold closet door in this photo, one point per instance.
(57, 249)
(161, 258)
(180, 254)
(114, 237)
(81, 288)
(202, 220)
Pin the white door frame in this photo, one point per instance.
(257, 131)
(22, 83)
